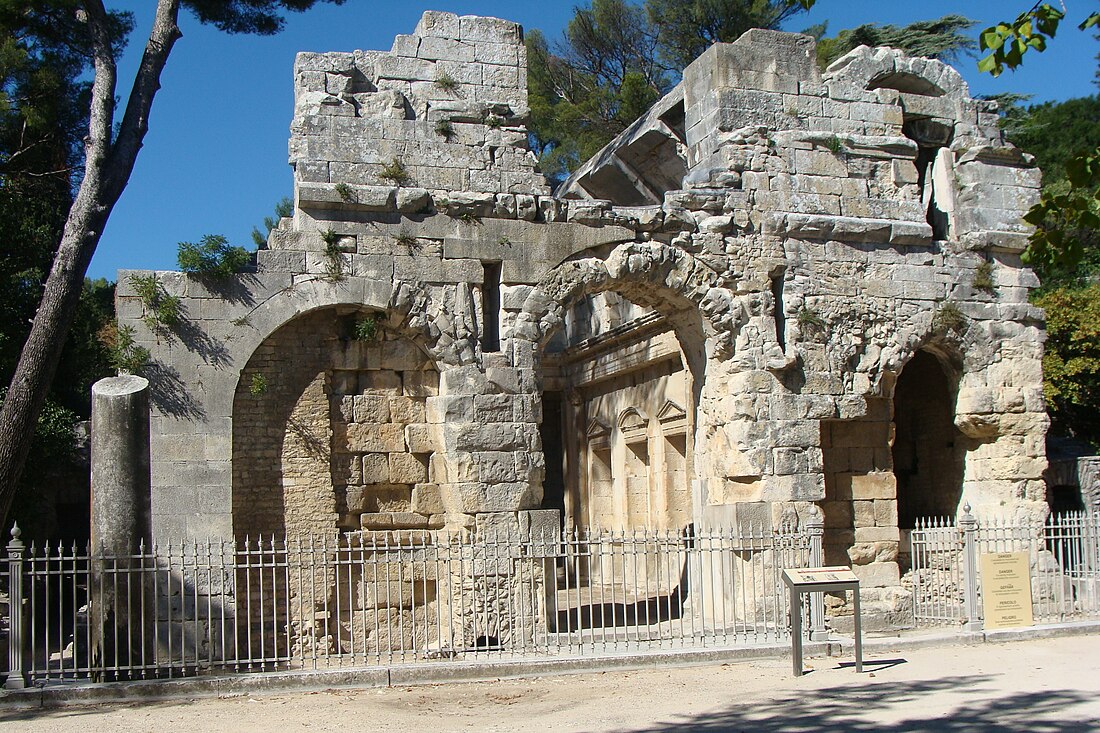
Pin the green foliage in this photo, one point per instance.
(445, 129)
(1008, 42)
(366, 328)
(948, 318)
(810, 317)
(593, 84)
(446, 82)
(126, 356)
(212, 257)
(283, 209)
(687, 28)
(493, 121)
(1066, 218)
(257, 386)
(405, 239)
(983, 278)
(944, 38)
(1064, 137)
(334, 257)
(395, 172)
(1071, 360)
(345, 193)
(615, 59)
(161, 311)
(834, 145)
(469, 217)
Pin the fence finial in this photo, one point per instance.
(16, 533)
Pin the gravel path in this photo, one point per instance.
(1038, 686)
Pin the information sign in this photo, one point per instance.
(1006, 590)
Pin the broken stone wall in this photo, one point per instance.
(805, 235)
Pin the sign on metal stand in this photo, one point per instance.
(820, 580)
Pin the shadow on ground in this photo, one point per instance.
(865, 707)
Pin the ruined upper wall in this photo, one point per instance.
(823, 156)
(448, 103)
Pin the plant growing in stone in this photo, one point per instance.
(124, 355)
(405, 239)
(948, 318)
(445, 129)
(493, 121)
(212, 257)
(810, 321)
(983, 278)
(468, 217)
(334, 258)
(834, 145)
(345, 193)
(161, 311)
(446, 82)
(810, 317)
(395, 172)
(257, 386)
(366, 328)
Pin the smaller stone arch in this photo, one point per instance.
(876, 68)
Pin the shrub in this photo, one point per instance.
(212, 257)
(395, 172)
(161, 311)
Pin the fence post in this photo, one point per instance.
(17, 679)
(968, 526)
(815, 527)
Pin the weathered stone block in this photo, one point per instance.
(372, 409)
(372, 438)
(406, 468)
(874, 486)
(376, 468)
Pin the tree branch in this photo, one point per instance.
(135, 122)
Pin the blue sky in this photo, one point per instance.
(214, 161)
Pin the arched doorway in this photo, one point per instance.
(928, 451)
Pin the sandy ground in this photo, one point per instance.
(1039, 686)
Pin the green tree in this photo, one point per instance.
(616, 59)
(687, 28)
(944, 38)
(1071, 361)
(283, 209)
(91, 37)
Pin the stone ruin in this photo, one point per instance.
(780, 288)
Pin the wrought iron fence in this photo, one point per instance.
(1063, 556)
(381, 598)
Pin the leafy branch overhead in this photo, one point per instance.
(1008, 42)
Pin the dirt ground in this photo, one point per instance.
(1039, 686)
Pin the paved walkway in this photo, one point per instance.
(1037, 686)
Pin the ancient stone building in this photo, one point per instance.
(780, 288)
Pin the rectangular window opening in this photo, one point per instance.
(490, 308)
(780, 315)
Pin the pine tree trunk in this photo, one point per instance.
(107, 168)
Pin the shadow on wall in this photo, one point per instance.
(859, 708)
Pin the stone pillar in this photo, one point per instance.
(120, 465)
(120, 521)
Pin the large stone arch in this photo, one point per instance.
(329, 426)
(702, 314)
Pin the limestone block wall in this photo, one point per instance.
(807, 238)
